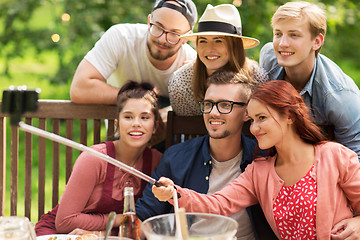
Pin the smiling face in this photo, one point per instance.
(170, 20)
(293, 43)
(219, 125)
(136, 122)
(213, 52)
(267, 125)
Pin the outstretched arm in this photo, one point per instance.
(89, 86)
(224, 202)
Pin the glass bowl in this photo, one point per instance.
(201, 226)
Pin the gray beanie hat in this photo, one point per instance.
(188, 9)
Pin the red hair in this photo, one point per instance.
(283, 98)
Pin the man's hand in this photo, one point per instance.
(346, 229)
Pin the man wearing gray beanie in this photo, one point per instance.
(141, 52)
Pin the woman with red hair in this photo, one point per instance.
(305, 185)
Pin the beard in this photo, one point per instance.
(222, 135)
(159, 55)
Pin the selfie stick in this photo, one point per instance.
(18, 101)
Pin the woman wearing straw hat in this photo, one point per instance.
(219, 45)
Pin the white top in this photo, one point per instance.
(120, 55)
(181, 95)
(221, 174)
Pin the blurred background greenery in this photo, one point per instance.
(43, 41)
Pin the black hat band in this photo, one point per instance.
(177, 8)
(213, 26)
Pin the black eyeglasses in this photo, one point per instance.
(171, 37)
(223, 107)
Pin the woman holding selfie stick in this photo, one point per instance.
(305, 185)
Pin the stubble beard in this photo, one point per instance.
(157, 55)
(225, 134)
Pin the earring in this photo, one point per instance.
(117, 132)
(117, 135)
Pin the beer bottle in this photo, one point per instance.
(129, 224)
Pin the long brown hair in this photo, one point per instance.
(237, 61)
(283, 98)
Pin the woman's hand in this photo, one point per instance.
(347, 229)
(79, 231)
(164, 193)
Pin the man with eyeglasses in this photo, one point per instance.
(223, 107)
(141, 52)
(206, 164)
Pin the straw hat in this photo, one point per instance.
(221, 20)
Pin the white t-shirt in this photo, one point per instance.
(120, 55)
(221, 174)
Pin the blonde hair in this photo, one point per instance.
(237, 62)
(303, 10)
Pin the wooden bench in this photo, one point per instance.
(60, 114)
(182, 128)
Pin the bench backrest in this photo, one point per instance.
(181, 128)
(60, 114)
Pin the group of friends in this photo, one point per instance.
(288, 182)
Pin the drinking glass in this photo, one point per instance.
(16, 228)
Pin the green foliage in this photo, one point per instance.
(30, 24)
